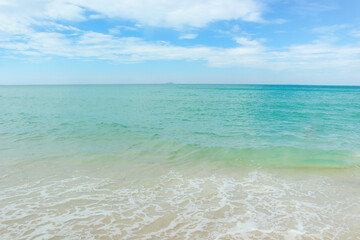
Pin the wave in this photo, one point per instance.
(256, 205)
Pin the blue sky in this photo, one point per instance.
(188, 41)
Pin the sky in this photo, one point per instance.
(188, 41)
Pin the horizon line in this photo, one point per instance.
(171, 83)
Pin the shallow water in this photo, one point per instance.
(179, 162)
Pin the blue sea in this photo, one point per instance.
(179, 161)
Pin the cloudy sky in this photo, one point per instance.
(187, 41)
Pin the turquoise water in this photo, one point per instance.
(179, 162)
(226, 124)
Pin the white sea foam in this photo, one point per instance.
(256, 206)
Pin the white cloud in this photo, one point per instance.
(119, 29)
(188, 36)
(310, 7)
(246, 41)
(92, 45)
(329, 30)
(159, 13)
(355, 33)
(177, 14)
(319, 55)
(19, 19)
(249, 53)
(19, 16)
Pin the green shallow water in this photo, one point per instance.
(283, 126)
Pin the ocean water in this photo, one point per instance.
(179, 162)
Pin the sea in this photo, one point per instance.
(173, 161)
